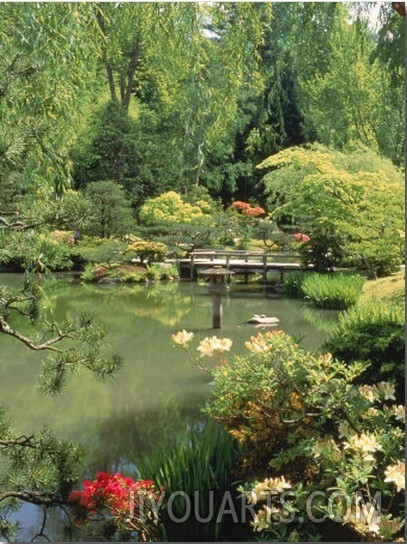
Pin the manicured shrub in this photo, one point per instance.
(129, 274)
(271, 236)
(372, 332)
(100, 250)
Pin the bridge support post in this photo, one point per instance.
(265, 269)
(216, 310)
(191, 269)
(217, 287)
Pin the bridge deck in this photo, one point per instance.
(243, 262)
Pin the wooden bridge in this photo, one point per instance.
(237, 261)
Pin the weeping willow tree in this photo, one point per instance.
(188, 80)
(41, 89)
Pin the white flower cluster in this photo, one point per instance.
(396, 474)
(261, 491)
(262, 343)
(380, 391)
(209, 346)
(365, 444)
(182, 338)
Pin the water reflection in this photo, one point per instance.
(161, 295)
(133, 433)
(325, 320)
(140, 321)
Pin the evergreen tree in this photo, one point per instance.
(111, 211)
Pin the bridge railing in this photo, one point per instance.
(212, 254)
(250, 261)
(227, 256)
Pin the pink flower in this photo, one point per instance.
(301, 237)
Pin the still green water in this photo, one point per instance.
(158, 392)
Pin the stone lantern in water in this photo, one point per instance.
(217, 287)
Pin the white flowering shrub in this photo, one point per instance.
(317, 448)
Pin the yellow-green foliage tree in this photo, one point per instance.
(350, 205)
(168, 208)
(144, 249)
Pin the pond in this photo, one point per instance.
(157, 392)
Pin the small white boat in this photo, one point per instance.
(263, 320)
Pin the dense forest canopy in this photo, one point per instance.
(166, 96)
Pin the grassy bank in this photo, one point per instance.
(388, 288)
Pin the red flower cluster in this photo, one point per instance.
(300, 237)
(246, 209)
(118, 494)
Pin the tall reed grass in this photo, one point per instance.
(201, 467)
(292, 286)
(332, 291)
(374, 312)
(336, 291)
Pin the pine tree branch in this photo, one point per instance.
(16, 225)
(26, 441)
(41, 533)
(33, 497)
(48, 345)
(7, 302)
